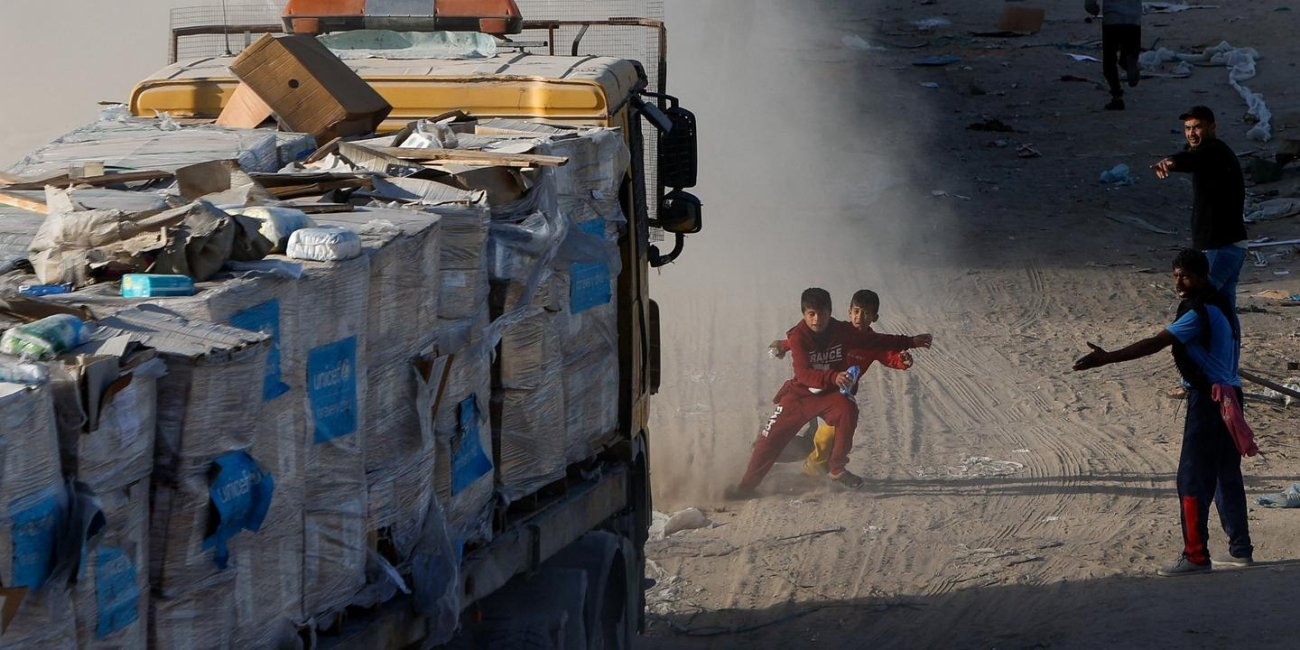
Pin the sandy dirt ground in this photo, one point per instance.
(1009, 503)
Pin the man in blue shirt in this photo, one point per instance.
(1206, 344)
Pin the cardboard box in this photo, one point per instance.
(1022, 20)
(244, 110)
(309, 88)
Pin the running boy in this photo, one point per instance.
(820, 346)
(864, 310)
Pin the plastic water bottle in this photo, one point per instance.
(22, 373)
(854, 373)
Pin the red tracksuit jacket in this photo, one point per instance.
(819, 357)
(864, 358)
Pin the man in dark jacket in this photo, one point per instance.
(1218, 199)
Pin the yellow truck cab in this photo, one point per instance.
(515, 83)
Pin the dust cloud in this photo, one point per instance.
(808, 180)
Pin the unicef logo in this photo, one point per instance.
(333, 377)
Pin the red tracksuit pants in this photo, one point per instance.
(794, 409)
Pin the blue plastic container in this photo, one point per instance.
(147, 285)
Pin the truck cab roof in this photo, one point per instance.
(579, 90)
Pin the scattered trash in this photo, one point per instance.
(1083, 57)
(1274, 294)
(1265, 242)
(1288, 499)
(1020, 451)
(985, 467)
(1171, 7)
(1021, 21)
(990, 125)
(944, 193)
(1028, 151)
(855, 42)
(1117, 175)
(1000, 144)
(1240, 62)
(115, 113)
(937, 61)
(688, 519)
(930, 84)
(927, 24)
(46, 338)
(165, 121)
(1281, 272)
(1136, 222)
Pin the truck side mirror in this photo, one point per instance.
(681, 213)
(679, 149)
(678, 144)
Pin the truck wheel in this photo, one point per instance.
(609, 562)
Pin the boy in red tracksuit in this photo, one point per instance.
(864, 310)
(820, 346)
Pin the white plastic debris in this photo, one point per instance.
(1288, 499)
(324, 244)
(165, 121)
(278, 224)
(688, 519)
(855, 42)
(927, 24)
(115, 113)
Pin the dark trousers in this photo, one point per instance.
(793, 409)
(1210, 470)
(1118, 43)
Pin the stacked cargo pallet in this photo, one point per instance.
(260, 448)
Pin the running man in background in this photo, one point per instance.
(864, 310)
(1206, 345)
(1121, 43)
(820, 347)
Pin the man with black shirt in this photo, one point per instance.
(1218, 200)
(1206, 345)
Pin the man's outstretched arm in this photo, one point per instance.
(1144, 348)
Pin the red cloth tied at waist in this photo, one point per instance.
(1230, 410)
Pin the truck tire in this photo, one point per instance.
(609, 561)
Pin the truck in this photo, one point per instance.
(564, 565)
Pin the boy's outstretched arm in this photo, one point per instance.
(1146, 347)
(894, 342)
(778, 348)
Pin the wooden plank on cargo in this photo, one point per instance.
(323, 208)
(16, 201)
(474, 157)
(93, 181)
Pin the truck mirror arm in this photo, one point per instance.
(658, 259)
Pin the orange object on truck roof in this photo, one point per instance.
(498, 17)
